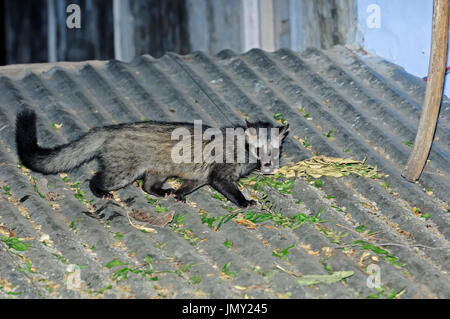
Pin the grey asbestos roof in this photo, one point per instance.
(369, 107)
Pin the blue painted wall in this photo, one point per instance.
(402, 34)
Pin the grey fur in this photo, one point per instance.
(127, 152)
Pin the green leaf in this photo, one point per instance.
(187, 267)
(160, 209)
(395, 293)
(150, 200)
(319, 212)
(408, 143)
(148, 259)
(394, 261)
(318, 183)
(15, 243)
(329, 134)
(375, 249)
(196, 279)
(219, 197)
(7, 190)
(102, 290)
(360, 228)
(178, 219)
(121, 274)
(426, 216)
(66, 179)
(12, 293)
(227, 244)
(226, 270)
(324, 279)
(385, 185)
(29, 267)
(114, 263)
(283, 253)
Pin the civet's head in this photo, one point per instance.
(265, 140)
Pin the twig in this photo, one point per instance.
(368, 236)
(395, 244)
(288, 272)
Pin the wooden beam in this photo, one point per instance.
(267, 26)
(51, 31)
(296, 13)
(433, 93)
(250, 17)
(124, 48)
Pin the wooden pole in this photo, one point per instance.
(433, 93)
(250, 19)
(267, 26)
(124, 48)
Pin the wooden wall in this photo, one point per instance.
(35, 30)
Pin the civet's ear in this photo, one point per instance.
(284, 130)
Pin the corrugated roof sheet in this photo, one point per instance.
(357, 107)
